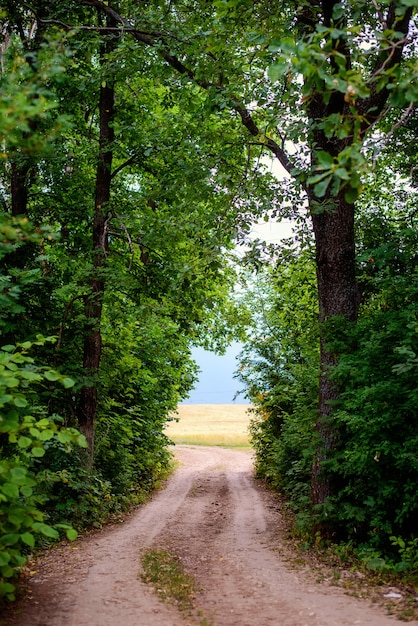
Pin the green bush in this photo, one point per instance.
(25, 434)
(376, 466)
(279, 367)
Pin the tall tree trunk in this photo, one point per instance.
(87, 407)
(338, 295)
(19, 187)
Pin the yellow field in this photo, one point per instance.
(211, 425)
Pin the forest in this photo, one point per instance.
(140, 142)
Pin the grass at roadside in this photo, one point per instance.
(211, 425)
(166, 574)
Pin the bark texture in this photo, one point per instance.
(87, 407)
(338, 295)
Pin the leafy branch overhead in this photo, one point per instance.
(348, 69)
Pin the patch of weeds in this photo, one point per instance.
(165, 572)
(203, 620)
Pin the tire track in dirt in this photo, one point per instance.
(223, 526)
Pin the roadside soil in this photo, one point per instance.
(229, 534)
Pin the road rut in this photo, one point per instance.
(223, 525)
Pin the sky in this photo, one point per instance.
(216, 382)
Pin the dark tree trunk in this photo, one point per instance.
(338, 295)
(87, 407)
(19, 187)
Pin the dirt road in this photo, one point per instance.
(223, 525)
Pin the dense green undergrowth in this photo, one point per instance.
(373, 468)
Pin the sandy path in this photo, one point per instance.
(222, 524)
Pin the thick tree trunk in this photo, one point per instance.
(338, 295)
(87, 408)
(19, 187)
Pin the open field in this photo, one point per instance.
(211, 425)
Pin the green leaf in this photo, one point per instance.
(5, 398)
(26, 345)
(24, 442)
(43, 422)
(52, 375)
(29, 539)
(10, 381)
(37, 451)
(9, 539)
(18, 473)
(32, 376)
(46, 435)
(20, 401)
(376, 564)
(44, 529)
(7, 571)
(16, 519)
(68, 382)
(71, 533)
(64, 437)
(321, 187)
(351, 194)
(325, 160)
(81, 441)
(10, 490)
(278, 70)
(7, 589)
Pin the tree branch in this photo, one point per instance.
(182, 69)
(389, 56)
(122, 166)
